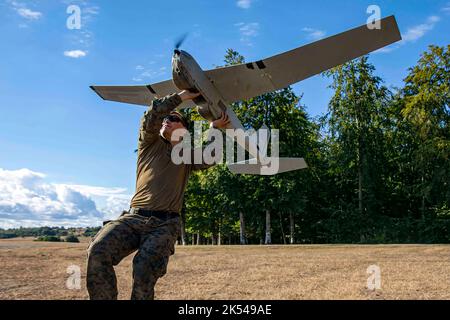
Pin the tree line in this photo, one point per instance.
(48, 233)
(379, 167)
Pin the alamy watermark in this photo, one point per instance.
(256, 142)
(74, 20)
(74, 280)
(374, 20)
(374, 280)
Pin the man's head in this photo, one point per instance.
(172, 122)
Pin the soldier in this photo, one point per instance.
(152, 225)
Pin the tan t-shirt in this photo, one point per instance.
(160, 184)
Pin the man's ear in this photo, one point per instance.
(162, 136)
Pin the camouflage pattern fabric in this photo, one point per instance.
(154, 240)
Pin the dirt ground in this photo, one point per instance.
(38, 270)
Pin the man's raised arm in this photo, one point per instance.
(152, 120)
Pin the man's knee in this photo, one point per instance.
(98, 254)
(150, 267)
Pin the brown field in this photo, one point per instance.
(37, 270)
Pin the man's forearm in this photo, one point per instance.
(159, 108)
(152, 120)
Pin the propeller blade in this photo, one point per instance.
(180, 40)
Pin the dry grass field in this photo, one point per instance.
(37, 270)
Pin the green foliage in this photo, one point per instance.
(233, 57)
(424, 113)
(378, 163)
(72, 238)
(49, 239)
(91, 231)
(46, 232)
(7, 234)
(356, 124)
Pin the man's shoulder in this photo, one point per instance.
(157, 144)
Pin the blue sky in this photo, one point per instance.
(56, 134)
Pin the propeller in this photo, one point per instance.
(180, 41)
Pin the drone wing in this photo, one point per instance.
(277, 165)
(245, 81)
(140, 95)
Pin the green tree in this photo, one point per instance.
(423, 115)
(357, 112)
(49, 238)
(72, 238)
(230, 199)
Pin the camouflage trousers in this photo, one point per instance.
(154, 240)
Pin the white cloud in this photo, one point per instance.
(96, 191)
(248, 31)
(314, 34)
(88, 8)
(27, 199)
(446, 8)
(149, 71)
(24, 11)
(434, 19)
(93, 10)
(75, 54)
(29, 14)
(244, 4)
(386, 49)
(417, 32)
(413, 34)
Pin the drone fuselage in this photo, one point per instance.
(188, 75)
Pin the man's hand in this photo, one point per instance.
(220, 123)
(187, 95)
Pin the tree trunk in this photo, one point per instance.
(268, 239)
(261, 232)
(198, 238)
(219, 233)
(193, 239)
(360, 162)
(183, 227)
(243, 240)
(360, 182)
(422, 179)
(282, 230)
(292, 227)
